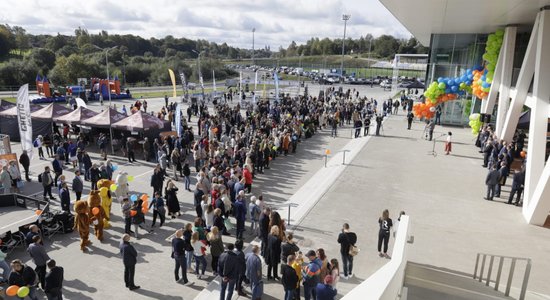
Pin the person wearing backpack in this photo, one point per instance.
(22, 275)
(310, 274)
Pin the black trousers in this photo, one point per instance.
(48, 191)
(271, 267)
(127, 224)
(161, 216)
(513, 193)
(384, 238)
(181, 262)
(78, 195)
(41, 272)
(129, 272)
(131, 156)
(57, 174)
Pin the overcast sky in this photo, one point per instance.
(277, 22)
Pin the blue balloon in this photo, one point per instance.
(133, 197)
(470, 77)
(469, 71)
(483, 78)
(447, 91)
(469, 82)
(464, 78)
(450, 82)
(485, 85)
(440, 79)
(454, 88)
(115, 167)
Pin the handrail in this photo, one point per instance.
(501, 258)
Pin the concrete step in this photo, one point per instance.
(428, 282)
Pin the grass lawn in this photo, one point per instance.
(10, 99)
(160, 94)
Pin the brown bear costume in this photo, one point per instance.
(82, 223)
(94, 201)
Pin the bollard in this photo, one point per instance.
(288, 219)
(326, 157)
(344, 159)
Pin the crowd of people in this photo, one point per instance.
(229, 150)
(498, 156)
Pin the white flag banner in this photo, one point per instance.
(184, 84)
(276, 78)
(24, 119)
(256, 81)
(241, 85)
(201, 82)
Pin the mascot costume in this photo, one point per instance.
(82, 222)
(96, 213)
(104, 191)
(122, 184)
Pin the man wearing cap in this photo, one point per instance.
(324, 290)
(310, 274)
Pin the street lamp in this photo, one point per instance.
(345, 18)
(107, 65)
(108, 90)
(253, 30)
(200, 72)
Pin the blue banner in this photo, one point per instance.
(178, 119)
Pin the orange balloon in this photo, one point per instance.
(144, 197)
(145, 210)
(133, 213)
(327, 152)
(38, 212)
(522, 154)
(12, 290)
(95, 211)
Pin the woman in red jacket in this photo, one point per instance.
(247, 179)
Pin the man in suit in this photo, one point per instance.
(517, 186)
(78, 185)
(410, 117)
(491, 181)
(54, 281)
(129, 258)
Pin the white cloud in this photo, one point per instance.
(277, 22)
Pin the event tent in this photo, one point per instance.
(10, 126)
(50, 112)
(140, 121)
(6, 105)
(104, 119)
(76, 116)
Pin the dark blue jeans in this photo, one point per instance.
(229, 286)
(310, 293)
(198, 261)
(347, 261)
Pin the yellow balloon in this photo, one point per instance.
(113, 187)
(130, 178)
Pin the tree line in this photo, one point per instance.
(135, 60)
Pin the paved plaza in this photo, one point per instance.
(443, 195)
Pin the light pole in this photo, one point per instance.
(253, 30)
(345, 18)
(200, 72)
(108, 90)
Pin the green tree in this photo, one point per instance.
(386, 45)
(7, 40)
(57, 42)
(16, 72)
(68, 69)
(43, 58)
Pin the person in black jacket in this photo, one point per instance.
(95, 175)
(264, 229)
(25, 162)
(288, 248)
(517, 186)
(273, 253)
(289, 278)
(491, 181)
(157, 180)
(241, 265)
(65, 198)
(347, 238)
(78, 185)
(87, 162)
(178, 254)
(229, 271)
(22, 275)
(54, 281)
(129, 258)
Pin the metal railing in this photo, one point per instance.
(501, 259)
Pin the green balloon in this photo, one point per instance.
(442, 85)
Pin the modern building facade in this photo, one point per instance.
(456, 32)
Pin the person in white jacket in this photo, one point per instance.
(122, 184)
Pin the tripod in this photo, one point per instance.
(433, 147)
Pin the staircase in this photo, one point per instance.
(493, 281)
(430, 283)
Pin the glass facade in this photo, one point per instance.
(450, 56)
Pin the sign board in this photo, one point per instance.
(82, 81)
